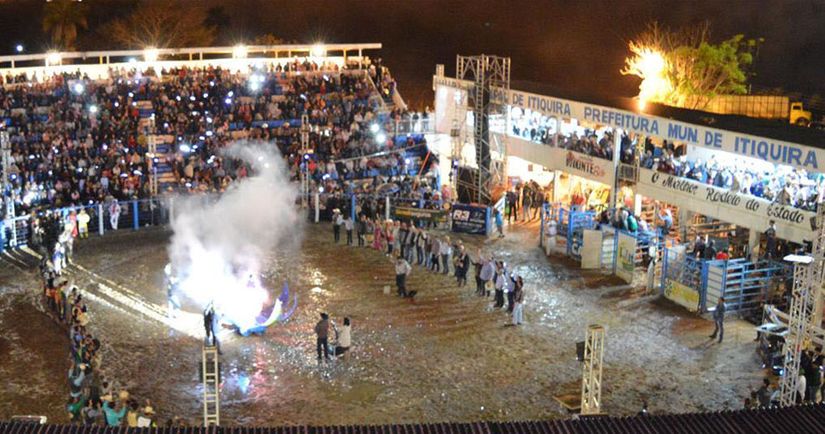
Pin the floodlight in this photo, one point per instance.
(240, 51)
(151, 54)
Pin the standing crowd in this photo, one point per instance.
(408, 244)
(94, 397)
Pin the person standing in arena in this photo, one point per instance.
(402, 270)
(114, 213)
(83, 223)
(362, 230)
(518, 298)
(209, 327)
(337, 221)
(322, 337)
(348, 225)
(719, 320)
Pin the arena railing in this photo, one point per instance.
(158, 211)
(135, 214)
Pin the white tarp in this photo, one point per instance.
(592, 249)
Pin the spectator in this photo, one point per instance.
(402, 270)
(518, 298)
(344, 338)
(719, 320)
(322, 336)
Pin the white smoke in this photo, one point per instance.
(219, 244)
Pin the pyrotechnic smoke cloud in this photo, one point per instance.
(219, 245)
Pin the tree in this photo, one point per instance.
(62, 19)
(267, 39)
(163, 24)
(693, 69)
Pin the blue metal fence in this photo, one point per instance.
(745, 284)
(135, 214)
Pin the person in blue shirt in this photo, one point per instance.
(113, 416)
(499, 223)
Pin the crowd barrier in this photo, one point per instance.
(699, 283)
(134, 215)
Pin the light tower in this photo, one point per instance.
(489, 74)
(592, 370)
(805, 310)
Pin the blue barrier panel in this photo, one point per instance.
(577, 222)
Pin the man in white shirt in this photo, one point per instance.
(500, 284)
(337, 221)
(402, 269)
(509, 287)
(446, 251)
(344, 338)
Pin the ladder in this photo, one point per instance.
(211, 385)
(592, 370)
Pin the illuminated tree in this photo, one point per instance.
(62, 19)
(682, 68)
(163, 24)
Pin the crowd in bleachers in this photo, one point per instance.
(590, 144)
(76, 140)
(780, 184)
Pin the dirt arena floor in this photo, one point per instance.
(446, 356)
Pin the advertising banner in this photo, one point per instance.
(626, 255)
(682, 295)
(592, 249)
(418, 213)
(751, 212)
(470, 219)
(767, 149)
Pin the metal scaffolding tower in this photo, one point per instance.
(486, 72)
(302, 166)
(804, 311)
(592, 370)
(211, 386)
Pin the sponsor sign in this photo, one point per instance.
(574, 163)
(418, 213)
(771, 150)
(596, 169)
(751, 212)
(626, 255)
(682, 295)
(470, 219)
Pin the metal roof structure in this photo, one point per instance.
(809, 419)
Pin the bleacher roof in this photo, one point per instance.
(799, 419)
(772, 129)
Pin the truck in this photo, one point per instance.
(756, 106)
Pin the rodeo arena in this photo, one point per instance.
(215, 239)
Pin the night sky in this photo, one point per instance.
(577, 45)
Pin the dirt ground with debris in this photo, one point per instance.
(447, 355)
